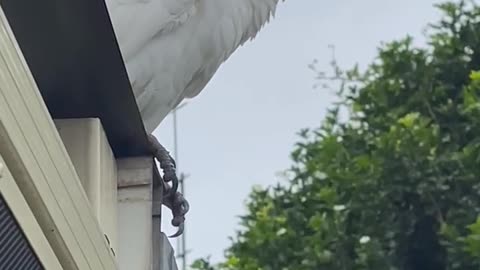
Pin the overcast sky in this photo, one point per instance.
(240, 130)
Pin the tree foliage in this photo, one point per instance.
(396, 186)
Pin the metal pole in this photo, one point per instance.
(184, 247)
(181, 243)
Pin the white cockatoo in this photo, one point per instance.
(172, 48)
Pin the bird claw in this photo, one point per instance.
(179, 231)
(167, 163)
(179, 207)
(172, 199)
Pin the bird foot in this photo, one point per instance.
(179, 207)
(167, 163)
(173, 199)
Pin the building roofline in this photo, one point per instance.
(72, 52)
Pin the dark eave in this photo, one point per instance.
(74, 57)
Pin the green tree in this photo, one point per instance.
(396, 186)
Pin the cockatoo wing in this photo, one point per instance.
(172, 48)
(141, 27)
(136, 22)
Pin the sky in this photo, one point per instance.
(240, 130)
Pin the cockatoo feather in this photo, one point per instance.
(172, 48)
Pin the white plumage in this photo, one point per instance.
(172, 48)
